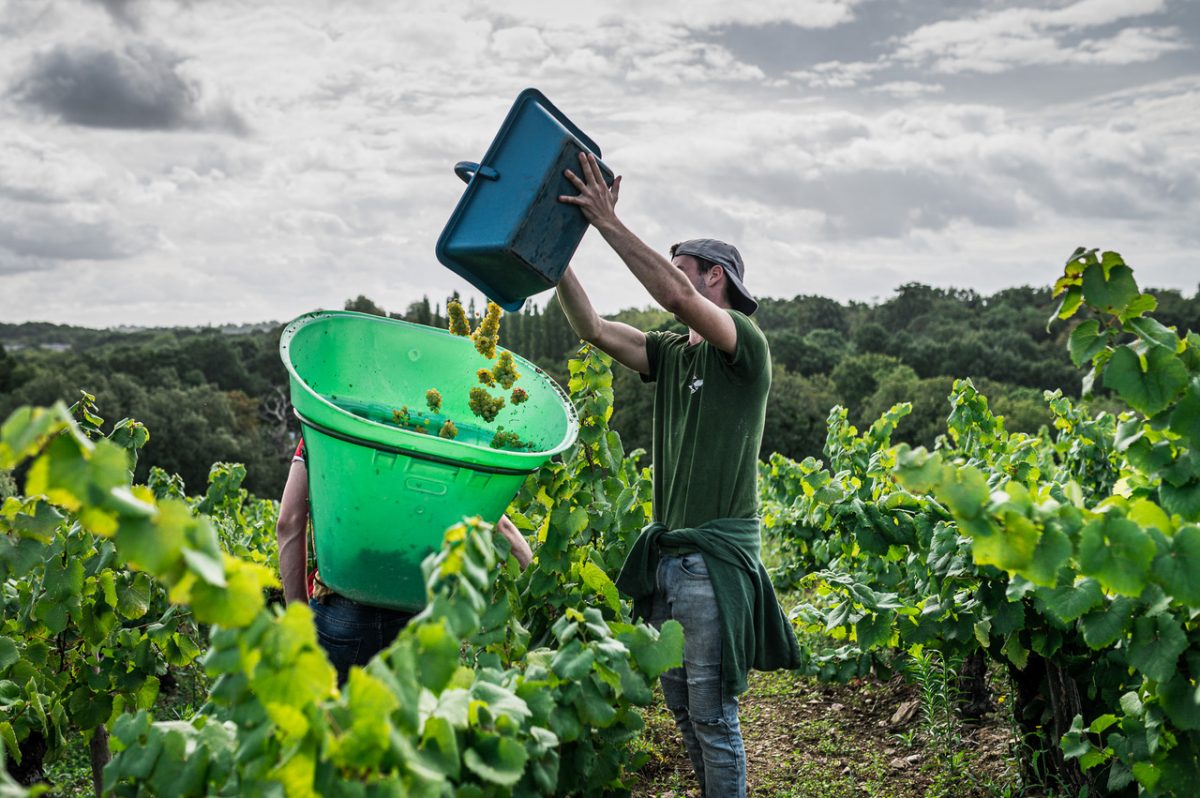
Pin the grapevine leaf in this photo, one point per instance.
(1105, 626)
(1148, 390)
(1110, 292)
(916, 469)
(500, 760)
(369, 702)
(1009, 547)
(133, 599)
(437, 655)
(656, 656)
(1080, 259)
(964, 491)
(1176, 567)
(205, 566)
(10, 692)
(596, 579)
(573, 661)
(40, 525)
(1153, 332)
(873, 630)
(440, 746)
(595, 707)
(1128, 433)
(1017, 654)
(1071, 301)
(1086, 340)
(138, 760)
(62, 581)
(1144, 303)
(1146, 513)
(71, 472)
(500, 701)
(88, 709)
(1156, 645)
(295, 774)
(1182, 500)
(24, 432)
(1067, 603)
(1185, 419)
(108, 587)
(8, 653)
(238, 602)
(577, 521)
(155, 545)
(53, 614)
(633, 685)
(147, 694)
(1117, 553)
(1181, 701)
(1075, 742)
(1052, 552)
(10, 741)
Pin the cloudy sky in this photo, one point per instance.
(212, 161)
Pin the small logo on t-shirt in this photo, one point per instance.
(695, 384)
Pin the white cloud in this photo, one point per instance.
(693, 14)
(1092, 13)
(906, 88)
(1027, 36)
(519, 43)
(845, 177)
(837, 74)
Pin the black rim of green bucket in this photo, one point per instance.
(383, 447)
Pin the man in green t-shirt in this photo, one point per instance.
(698, 563)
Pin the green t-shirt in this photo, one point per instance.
(709, 408)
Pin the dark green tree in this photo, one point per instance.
(364, 305)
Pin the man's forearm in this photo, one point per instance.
(577, 307)
(292, 560)
(666, 284)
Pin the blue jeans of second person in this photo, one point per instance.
(705, 712)
(352, 633)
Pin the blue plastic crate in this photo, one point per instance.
(509, 236)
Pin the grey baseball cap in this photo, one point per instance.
(725, 255)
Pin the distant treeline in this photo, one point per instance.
(210, 394)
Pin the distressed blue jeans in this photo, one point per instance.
(706, 714)
(352, 633)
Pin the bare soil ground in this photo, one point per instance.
(859, 740)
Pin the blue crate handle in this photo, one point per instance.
(468, 169)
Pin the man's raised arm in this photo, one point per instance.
(626, 344)
(669, 286)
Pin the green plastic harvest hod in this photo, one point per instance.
(382, 496)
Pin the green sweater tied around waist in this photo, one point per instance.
(755, 633)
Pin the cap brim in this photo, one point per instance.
(740, 298)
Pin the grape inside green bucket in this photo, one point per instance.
(381, 494)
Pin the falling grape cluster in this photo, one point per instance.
(506, 440)
(459, 324)
(505, 371)
(487, 334)
(504, 374)
(484, 405)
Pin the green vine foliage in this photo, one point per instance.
(84, 638)
(467, 701)
(584, 511)
(1071, 556)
